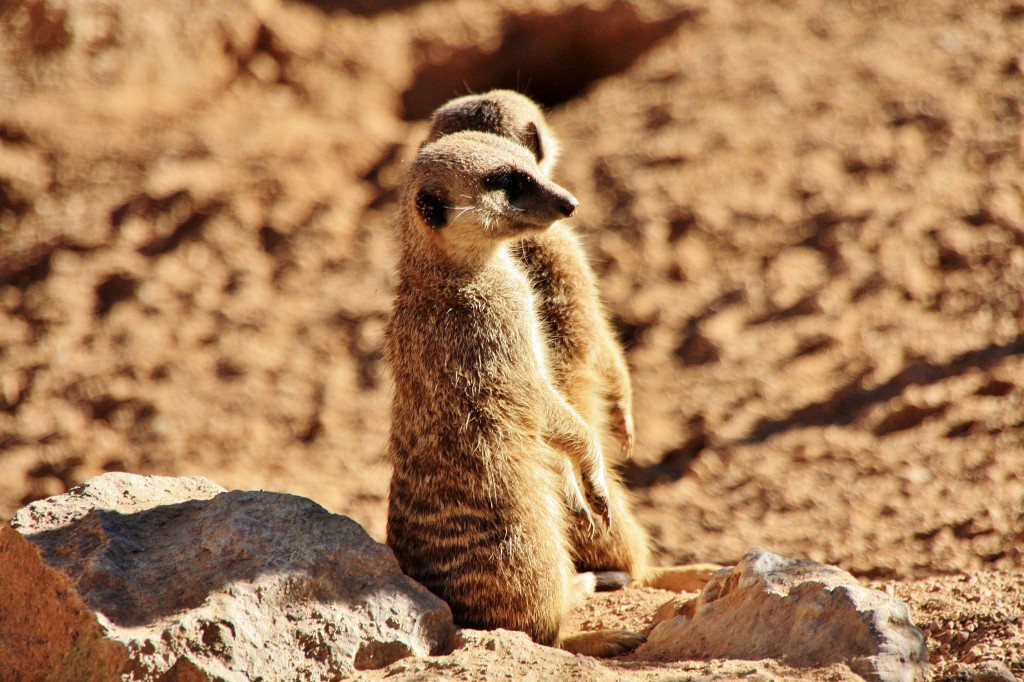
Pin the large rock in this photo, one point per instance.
(233, 585)
(800, 612)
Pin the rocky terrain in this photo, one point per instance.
(170, 579)
(807, 216)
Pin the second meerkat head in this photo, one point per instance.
(469, 191)
(506, 113)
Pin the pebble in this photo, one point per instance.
(992, 671)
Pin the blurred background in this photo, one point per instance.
(807, 216)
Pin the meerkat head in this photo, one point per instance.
(470, 191)
(500, 112)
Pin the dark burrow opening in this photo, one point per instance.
(551, 58)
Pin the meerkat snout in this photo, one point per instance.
(565, 205)
(530, 193)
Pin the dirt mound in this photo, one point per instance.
(808, 219)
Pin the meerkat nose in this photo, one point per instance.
(568, 206)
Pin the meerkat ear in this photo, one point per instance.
(431, 207)
(533, 142)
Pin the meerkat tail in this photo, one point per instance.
(609, 581)
(582, 585)
(681, 578)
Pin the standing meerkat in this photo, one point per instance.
(479, 435)
(586, 360)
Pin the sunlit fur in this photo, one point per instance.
(586, 360)
(479, 437)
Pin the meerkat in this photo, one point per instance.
(586, 360)
(477, 509)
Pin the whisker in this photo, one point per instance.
(461, 210)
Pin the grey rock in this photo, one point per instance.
(233, 585)
(803, 613)
(992, 671)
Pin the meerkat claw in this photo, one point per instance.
(586, 516)
(598, 504)
(622, 427)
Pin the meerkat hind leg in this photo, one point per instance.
(602, 643)
(681, 578)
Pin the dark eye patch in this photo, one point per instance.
(513, 183)
(431, 207)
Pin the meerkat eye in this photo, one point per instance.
(513, 183)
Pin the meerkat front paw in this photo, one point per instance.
(595, 490)
(575, 499)
(589, 503)
(622, 427)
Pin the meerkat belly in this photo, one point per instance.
(490, 542)
(476, 510)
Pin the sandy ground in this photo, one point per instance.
(808, 219)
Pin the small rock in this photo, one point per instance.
(199, 583)
(801, 612)
(992, 671)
